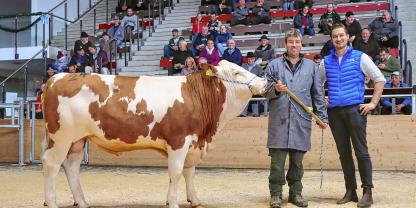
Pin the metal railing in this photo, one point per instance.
(113, 46)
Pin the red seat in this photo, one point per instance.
(394, 52)
(165, 63)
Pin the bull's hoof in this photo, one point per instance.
(75, 204)
(44, 204)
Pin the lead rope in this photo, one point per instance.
(321, 158)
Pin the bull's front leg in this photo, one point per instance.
(191, 195)
(176, 160)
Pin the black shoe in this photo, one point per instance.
(367, 199)
(298, 200)
(350, 195)
(275, 201)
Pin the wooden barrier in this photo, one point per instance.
(242, 144)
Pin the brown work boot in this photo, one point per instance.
(350, 195)
(298, 200)
(276, 202)
(367, 199)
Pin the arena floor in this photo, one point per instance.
(147, 187)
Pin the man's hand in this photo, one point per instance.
(366, 108)
(399, 107)
(326, 102)
(280, 87)
(322, 126)
(381, 66)
(384, 38)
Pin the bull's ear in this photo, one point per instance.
(209, 69)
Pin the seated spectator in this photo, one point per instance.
(252, 67)
(173, 44)
(367, 44)
(201, 41)
(221, 39)
(142, 5)
(62, 61)
(232, 53)
(387, 64)
(328, 19)
(189, 67)
(72, 68)
(82, 60)
(385, 30)
(403, 105)
(99, 59)
(261, 13)
(327, 48)
(197, 26)
(299, 4)
(210, 53)
(214, 25)
(288, 5)
(83, 41)
(50, 71)
(317, 59)
(303, 21)
(116, 31)
(265, 52)
(240, 14)
(179, 57)
(105, 44)
(352, 25)
(123, 5)
(222, 7)
(202, 60)
(129, 22)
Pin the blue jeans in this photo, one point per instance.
(288, 5)
(254, 108)
(167, 51)
(221, 48)
(310, 31)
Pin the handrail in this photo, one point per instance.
(404, 59)
(408, 69)
(23, 65)
(62, 2)
(400, 42)
(88, 11)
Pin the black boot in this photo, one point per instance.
(276, 202)
(367, 199)
(350, 195)
(298, 200)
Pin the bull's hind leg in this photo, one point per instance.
(72, 166)
(52, 159)
(191, 195)
(176, 160)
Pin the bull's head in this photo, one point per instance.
(236, 75)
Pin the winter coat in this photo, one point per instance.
(371, 48)
(354, 29)
(289, 124)
(240, 13)
(212, 58)
(256, 69)
(297, 21)
(235, 57)
(266, 54)
(379, 28)
(116, 32)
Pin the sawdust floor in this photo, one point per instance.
(147, 187)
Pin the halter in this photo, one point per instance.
(248, 84)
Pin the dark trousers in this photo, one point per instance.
(235, 21)
(390, 43)
(386, 110)
(348, 126)
(277, 171)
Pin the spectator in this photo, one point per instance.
(142, 5)
(82, 61)
(189, 67)
(129, 22)
(201, 41)
(173, 44)
(62, 61)
(83, 41)
(261, 13)
(72, 68)
(221, 39)
(240, 14)
(123, 5)
(211, 53)
(367, 44)
(214, 25)
(202, 60)
(50, 71)
(387, 64)
(352, 25)
(317, 59)
(288, 5)
(252, 67)
(99, 59)
(403, 105)
(303, 21)
(299, 4)
(222, 7)
(116, 31)
(105, 44)
(179, 57)
(265, 52)
(385, 30)
(327, 48)
(330, 17)
(197, 26)
(233, 54)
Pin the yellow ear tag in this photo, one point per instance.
(310, 108)
(209, 73)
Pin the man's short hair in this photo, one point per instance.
(384, 49)
(317, 56)
(292, 33)
(337, 26)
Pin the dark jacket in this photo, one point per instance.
(325, 17)
(100, 59)
(201, 39)
(371, 48)
(82, 60)
(235, 57)
(179, 56)
(261, 11)
(78, 44)
(240, 13)
(379, 28)
(172, 41)
(266, 54)
(354, 29)
(297, 21)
